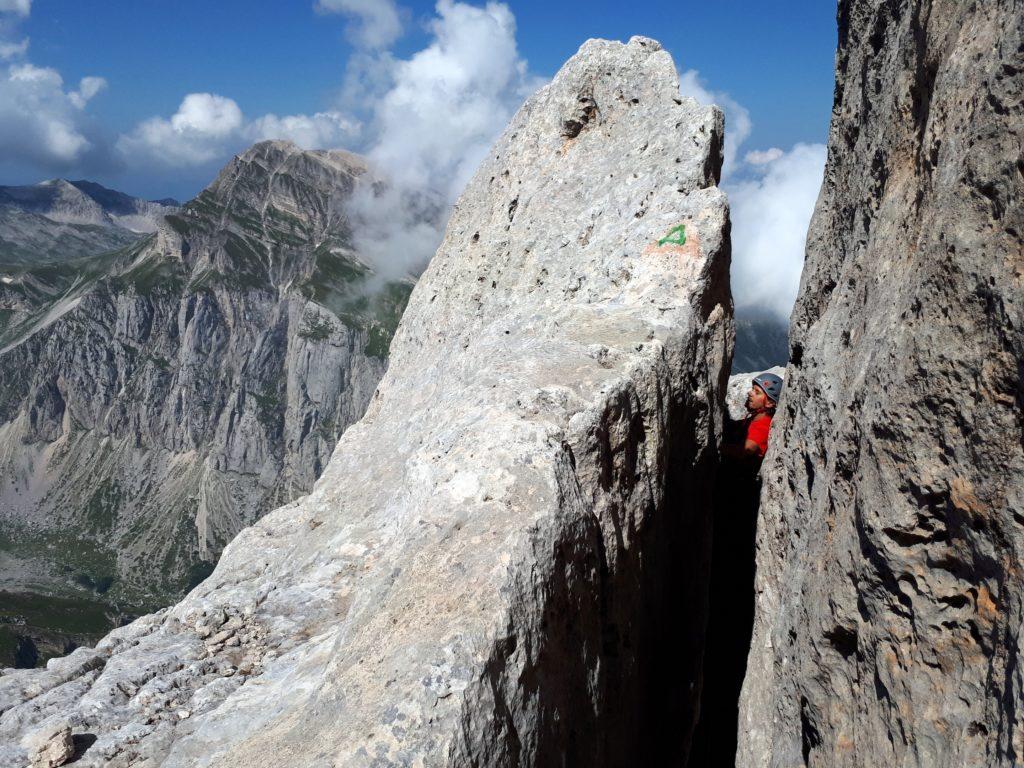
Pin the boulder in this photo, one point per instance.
(890, 592)
(503, 561)
(49, 746)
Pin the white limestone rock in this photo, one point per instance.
(49, 746)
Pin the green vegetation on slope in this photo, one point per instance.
(351, 291)
(31, 294)
(35, 627)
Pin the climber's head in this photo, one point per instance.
(764, 393)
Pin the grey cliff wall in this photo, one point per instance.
(502, 563)
(889, 583)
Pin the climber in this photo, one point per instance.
(761, 401)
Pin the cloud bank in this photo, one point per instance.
(18, 7)
(770, 215)
(42, 122)
(772, 193)
(208, 127)
(436, 117)
(763, 157)
(738, 124)
(377, 24)
(448, 103)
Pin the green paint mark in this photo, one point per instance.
(675, 236)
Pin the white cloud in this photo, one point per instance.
(772, 194)
(40, 122)
(13, 50)
(444, 108)
(209, 127)
(320, 130)
(450, 101)
(763, 157)
(20, 7)
(737, 119)
(770, 216)
(199, 132)
(378, 23)
(368, 76)
(87, 88)
(42, 125)
(207, 114)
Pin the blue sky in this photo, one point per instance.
(171, 91)
(775, 59)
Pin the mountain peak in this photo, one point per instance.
(279, 174)
(280, 150)
(271, 145)
(56, 183)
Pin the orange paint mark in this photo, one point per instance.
(691, 248)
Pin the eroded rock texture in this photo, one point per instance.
(892, 519)
(502, 562)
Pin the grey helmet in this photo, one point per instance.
(771, 384)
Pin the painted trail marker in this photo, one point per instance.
(675, 236)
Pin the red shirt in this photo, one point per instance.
(757, 430)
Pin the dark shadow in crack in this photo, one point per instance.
(730, 613)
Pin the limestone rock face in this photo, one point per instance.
(501, 563)
(890, 588)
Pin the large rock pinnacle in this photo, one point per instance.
(501, 564)
(890, 585)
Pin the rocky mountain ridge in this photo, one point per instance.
(57, 221)
(86, 202)
(156, 399)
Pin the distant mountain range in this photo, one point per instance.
(158, 396)
(59, 220)
(762, 340)
(86, 202)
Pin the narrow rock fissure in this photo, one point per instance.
(676, 580)
(730, 612)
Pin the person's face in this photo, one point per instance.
(757, 399)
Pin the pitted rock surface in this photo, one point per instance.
(889, 580)
(502, 560)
